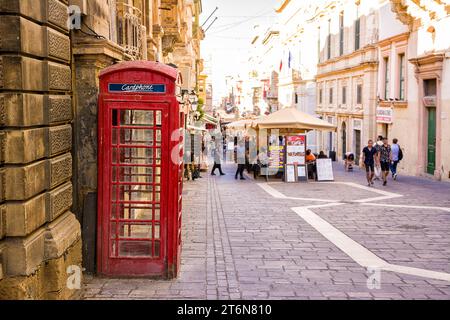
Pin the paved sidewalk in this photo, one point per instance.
(252, 240)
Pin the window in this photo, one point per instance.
(359, 94)
(296, 98)
(331, 96)
(386, 78)
(320, 96)
(344, 95)
(341, 33)
(402, 76)
(430, 87)
(329, 41)
(357, 31)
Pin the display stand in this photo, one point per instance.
(324, 170)
(291, 173)
(296, 156)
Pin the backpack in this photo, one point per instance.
(400, 154)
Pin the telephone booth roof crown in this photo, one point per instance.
(150, 66)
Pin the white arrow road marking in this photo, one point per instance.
(357, 252)
(360, 254)
(385, 195)
(405, 206)
(278, 195)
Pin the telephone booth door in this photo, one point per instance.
(139, 214)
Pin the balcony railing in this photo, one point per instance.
(131, 32)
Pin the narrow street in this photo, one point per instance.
(253, 240)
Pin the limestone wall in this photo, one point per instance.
(39, 236)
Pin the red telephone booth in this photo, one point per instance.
(140, 171)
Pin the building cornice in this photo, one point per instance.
(99, 47)
(393, 104)
(397, 38)
(369, 65)
(433, 58)
(283, 6)
(366, 66)
(348, 56)
(430, 65)
(342, 113)
(269, 35)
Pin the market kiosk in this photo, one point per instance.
(287, 157)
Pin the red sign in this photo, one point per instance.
(296, 140)
(296, 150)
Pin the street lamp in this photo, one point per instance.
(193, 99)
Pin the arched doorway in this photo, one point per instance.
(344, 138)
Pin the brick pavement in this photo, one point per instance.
(241, 243)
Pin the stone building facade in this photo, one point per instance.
(265, 69)
(297, 81)
(417, 51)
(327, 65)
(48, 124)
(347, 73)
(40, 236)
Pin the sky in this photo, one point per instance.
(228, 42)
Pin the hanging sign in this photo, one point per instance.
(385, 115)
(429, 101)
(136, 88)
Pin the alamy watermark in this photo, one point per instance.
(74, 19)
(374, 279)
(75, 277)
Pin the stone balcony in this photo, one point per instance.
(131, 33)
(365, 56)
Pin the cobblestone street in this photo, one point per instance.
(256, 240)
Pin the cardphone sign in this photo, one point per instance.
(136, 88)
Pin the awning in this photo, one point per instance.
(241, 124)
(291, 118)
(211, 120)
(193, 128)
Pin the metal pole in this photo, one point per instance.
(211, 24)
(217, 8)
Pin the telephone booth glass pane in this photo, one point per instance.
(136, 184)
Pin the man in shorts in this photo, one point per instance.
(385, 156)
(369, 156)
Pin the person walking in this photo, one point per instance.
(397, 156)
(369, 155)
(240, 161)
(385, 156)
(378, 171)
(217, 162)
